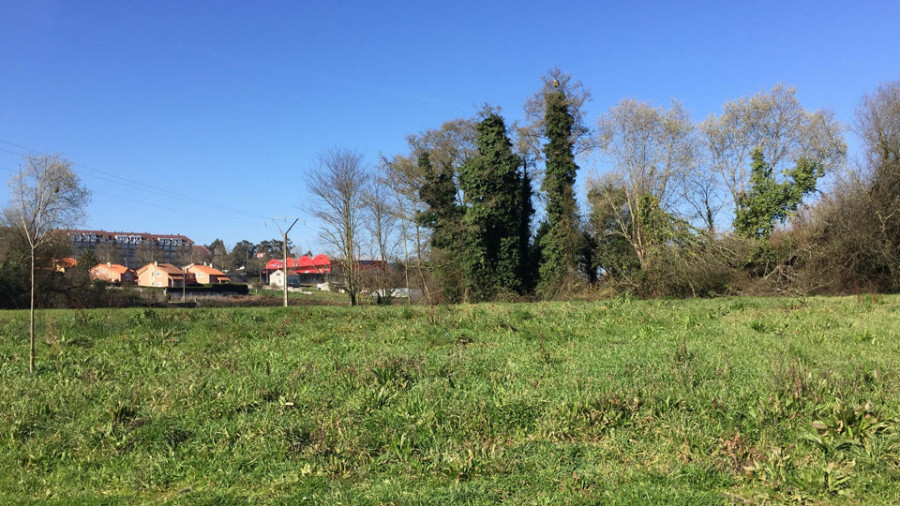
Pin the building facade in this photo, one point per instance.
(132, 249)
(112, 273)
(161, 274)
(207, 275)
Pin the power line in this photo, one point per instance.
(152, 204)
(140, 186)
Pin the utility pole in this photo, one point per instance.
(284, 234)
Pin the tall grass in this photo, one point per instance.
(700, 401)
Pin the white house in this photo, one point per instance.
(276, 279)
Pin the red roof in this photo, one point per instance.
(304, 264)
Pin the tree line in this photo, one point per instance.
(734, 204)
(760, 198)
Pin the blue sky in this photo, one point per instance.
(202, 118)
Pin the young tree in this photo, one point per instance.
(45, 195)
(338, 184)
(493, 188)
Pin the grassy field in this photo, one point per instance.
(730, 400)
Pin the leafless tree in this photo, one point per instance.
(46, 195)
(652, 149)
(381, 224)
(339, 183)
(404, 180)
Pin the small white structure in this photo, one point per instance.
(276, 279)
(397, 293)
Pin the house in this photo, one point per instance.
(207, 275)
(276, 279)
(164, 275)
(65, 263)
(60, 265)
(112, 273)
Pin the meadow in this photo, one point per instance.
(730, 400)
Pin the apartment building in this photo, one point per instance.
(133, 249)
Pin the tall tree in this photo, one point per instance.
(493, 189)
(445, 151)
(44, 196)
(560, 245)
(218, 253)
(338, 184)
(443, 216)
(241, 254)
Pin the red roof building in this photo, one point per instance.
(112, 273)
(207, 275)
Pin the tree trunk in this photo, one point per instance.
(31, 327)
(419, 264)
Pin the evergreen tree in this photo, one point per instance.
(528, 269)
(493, 255)
(443, 216)
(767, 201)
(561, 243)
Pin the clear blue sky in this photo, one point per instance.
(202, 118)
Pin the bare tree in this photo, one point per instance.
(339, 183)
(381, 224)
(46, 195)
(653, 149)
(704, 196)
(776, 123)
(404, 180)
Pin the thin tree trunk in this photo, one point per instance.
(419, 263)
(406, 264)
(31, 328)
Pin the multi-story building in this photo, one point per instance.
(133, 249)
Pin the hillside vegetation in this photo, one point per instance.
(661, 401)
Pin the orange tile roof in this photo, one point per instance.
(117, 268)
(205, 269)
(66, 262)
(167, 268)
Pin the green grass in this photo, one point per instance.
(308, 294)
(667, 402)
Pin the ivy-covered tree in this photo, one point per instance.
(493, 255)
(443, 215)
(767, 201)
(560, 244)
